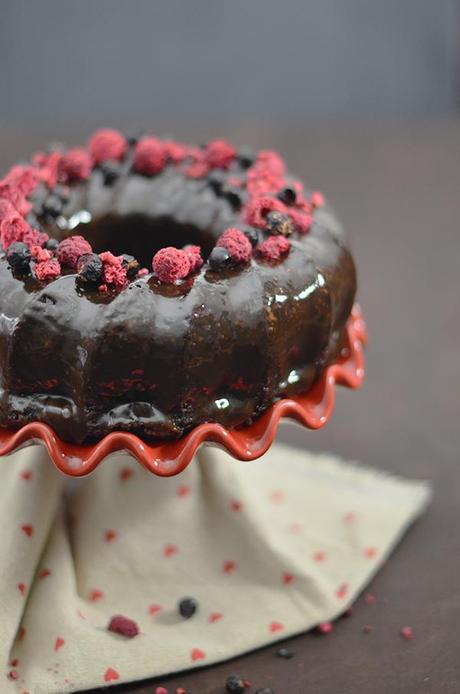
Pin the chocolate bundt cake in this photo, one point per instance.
(150, 286)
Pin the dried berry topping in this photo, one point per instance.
(188, 607)
(302, 220)
(17, 229)
(7, 210)
(149, 156)
(220, 259)
(110, 170)
(288, 195)
(40, 254)
(13, 229)
(70, 250)
(194, 256)
(18, 256)
(47, 270)
(107, 144)
(219, 154)
(317, 199)
(258, 208)
(234, 196)
(24, 178)
(234, 684)
(174, 151)
(237, 244)
(274, 247)
(130, 264)
(113, 272)
(90, 269)
(171, 264)
(10, 193)
(270, 162)
(278, 223)
(123, 625)
(75, 166)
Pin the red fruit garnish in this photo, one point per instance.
(149, 156)
(107, 144)
(114, 273)
(124, 626)
(171, 264)
(219, 154)
(75, 165)
(71, 249)
(237, 244)
(274, 247)
(48, 270)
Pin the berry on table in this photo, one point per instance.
(123, 625)
(187, 607)
(234, 684)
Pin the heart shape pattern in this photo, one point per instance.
(275, 626)
(111, 675)
(197, 654)
(169, 550)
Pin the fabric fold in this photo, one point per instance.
(268, 549)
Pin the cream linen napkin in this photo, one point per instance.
(268, 549)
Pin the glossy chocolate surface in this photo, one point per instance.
(158, 359)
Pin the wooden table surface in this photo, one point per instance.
(397, 188)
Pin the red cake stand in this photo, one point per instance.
(312, 409)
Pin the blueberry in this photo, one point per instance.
(278, 223)
(110, 171)
(18, 256)
(89, 268)
(234, 196)
(51, 245)
(234, 684)
(188, 607)
(52, 206)
(216, 180)
(130, 264)
(246, 157)
(252, 234)
(284, 653)
(288, 195)
(134, 138)
(220, 258)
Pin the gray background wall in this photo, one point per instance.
(91, 61)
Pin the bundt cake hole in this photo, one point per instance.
(142, 236)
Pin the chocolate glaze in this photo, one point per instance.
(158, 359)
